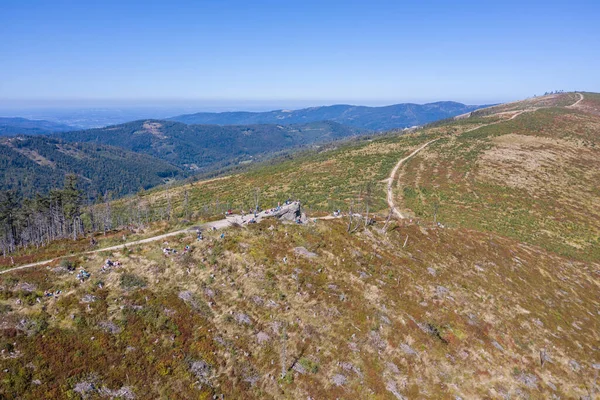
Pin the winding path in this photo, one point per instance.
(220, 224)
(237, 219)
(392, 177)
(577, 102)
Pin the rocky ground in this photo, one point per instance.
(308, 311)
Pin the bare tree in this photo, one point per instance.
(186, 204)
(256, 198)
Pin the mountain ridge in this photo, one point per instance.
(382, 118)
(201, 147)
(12, 126)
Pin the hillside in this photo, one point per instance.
(22, 126)
(529, 173)
(36, 164)
(372, 118)
(499, 300)
(209, 147)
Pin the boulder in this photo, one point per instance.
(290, 213)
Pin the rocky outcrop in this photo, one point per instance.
(291, 213)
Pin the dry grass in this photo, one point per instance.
(533, 178)
(422, 320)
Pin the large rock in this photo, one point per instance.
(290, 213)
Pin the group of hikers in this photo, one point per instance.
(167, 251)
(257, 210)
(108, 264)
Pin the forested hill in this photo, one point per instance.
(23, 126)
(371, 118)
(197, 147)
(35, 164)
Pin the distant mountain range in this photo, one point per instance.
(23, 126)
(209, 147)
(141, 154)
(36, 164)
(371, 118)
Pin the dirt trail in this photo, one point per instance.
(392, 177)
(238, 219)
(577, 102)
(220, 224)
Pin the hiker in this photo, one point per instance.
(83, 275)
(223, 235)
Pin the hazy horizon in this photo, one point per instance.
(92, 114)
(214, 104)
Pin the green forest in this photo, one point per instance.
(209, 147)
(31, 165)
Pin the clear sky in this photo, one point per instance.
(362, 52)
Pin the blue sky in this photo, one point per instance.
(313, 52)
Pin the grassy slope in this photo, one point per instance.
(455, 312)
(533, 178)
(465, 311)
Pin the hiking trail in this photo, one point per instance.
(392, 177)
(227, 222)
